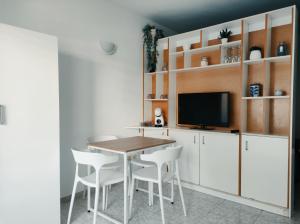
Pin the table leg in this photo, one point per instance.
(125, 189)
(89, 191)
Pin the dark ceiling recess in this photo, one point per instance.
(199, 18)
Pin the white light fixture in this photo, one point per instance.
(109, 48)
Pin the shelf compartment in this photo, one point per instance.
(208, 48)
(270, 59)
(209, 67)
(279, 118)
(265, 97)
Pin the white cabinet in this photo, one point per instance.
(219, 161)
(189, 160)
(156, 133)
(265, 169)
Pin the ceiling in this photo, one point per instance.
(186, 15)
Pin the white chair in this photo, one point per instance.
(97, 179)
(155, 174)
(136, 161)
(102, 139)
(114, 165)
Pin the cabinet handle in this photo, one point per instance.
(194, 139)
(203, 140)
(246, 145)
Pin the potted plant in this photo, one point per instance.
(255, 53)
(224, 35)
(151, 36)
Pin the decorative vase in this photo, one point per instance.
(282, 49)
(255, 90)
(186, 47)
(255, 54)
(278, 92)
(204, 62)
(224, 40)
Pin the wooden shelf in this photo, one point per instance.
(209, 67)
(147, 127)
(264, 135)
(265, 97)
(154, 73)
(270, 59)
(156, 99)
(207, 48)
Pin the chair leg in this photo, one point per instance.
(172, 191)
(103, 197)
(72, 201)
(84, 193)
(180, 191)
(131, 197)
(106, 198)
(150, 193)
(96, 203)
(129, 177)
(136, 185)
(161, 201)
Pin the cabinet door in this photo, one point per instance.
(156, 133)
(189, 160)
(265, 169)
(219, 161)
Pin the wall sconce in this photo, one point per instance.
(109, 48)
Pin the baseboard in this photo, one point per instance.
(252, 203)
(68, 198)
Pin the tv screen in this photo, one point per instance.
(204, 109)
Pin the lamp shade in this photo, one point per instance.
(108, 48)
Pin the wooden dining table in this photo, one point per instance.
(127, 147)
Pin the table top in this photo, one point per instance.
(130, 144)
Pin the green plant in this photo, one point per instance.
(225, 33)
(150, 43)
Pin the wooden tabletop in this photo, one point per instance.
(130, 144)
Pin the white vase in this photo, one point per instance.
(255, 54)
(224, 40)
(186, 47)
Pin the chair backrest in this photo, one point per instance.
(97, 160)
(101, 138)
(160, 157)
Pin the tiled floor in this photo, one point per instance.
(201, 208)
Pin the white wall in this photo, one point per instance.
(29, 140)
(98, 94)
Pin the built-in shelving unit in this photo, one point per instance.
(267, 117)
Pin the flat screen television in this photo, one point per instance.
(204, 109)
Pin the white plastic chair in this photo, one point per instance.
(136, 161)
(102, 139)
(97, 179)
(114, 165)
(155, 174)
